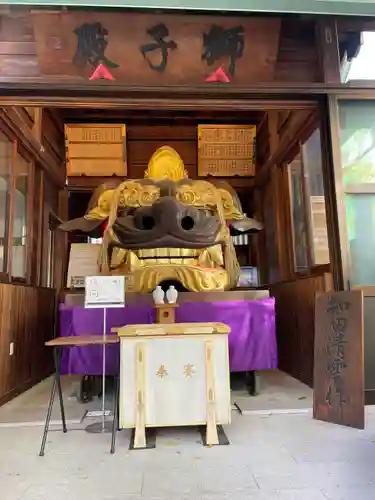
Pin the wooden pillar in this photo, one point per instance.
(140, 418)
(260, 241)
(280, 190)
(328, 49)
(211, 429)
(37, 127)
(273, 132)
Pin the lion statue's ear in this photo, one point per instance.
(110, 185)
(97, 211)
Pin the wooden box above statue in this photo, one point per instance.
(226, 150)
(97, 150)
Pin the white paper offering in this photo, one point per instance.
(104, 291)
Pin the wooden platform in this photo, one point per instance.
(76, 297)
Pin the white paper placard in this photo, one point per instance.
(104, 291)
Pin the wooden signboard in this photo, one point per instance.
(97, 150)
(226, 150)
(339, 360)
(153, 49)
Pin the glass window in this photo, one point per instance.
(360, 213)
(315, 200)
(19, 230)
(300, 239)
(6, 148)
(357, 141)
(309, 222)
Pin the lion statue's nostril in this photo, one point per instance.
(187, 223)
(146, 222)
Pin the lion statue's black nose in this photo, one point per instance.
(167, 224)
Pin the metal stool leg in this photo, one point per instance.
(48, 418)
(56, 384)
(57, 356)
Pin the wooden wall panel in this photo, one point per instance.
(263, 141)
(53, 137)
(183, 131)
(297, 59)
(269, 217)
(144, 140)
(27, 319)
(28, 116)
(295, 316)
(17, 46)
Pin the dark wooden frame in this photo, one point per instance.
(271, 97)
(22, 151)
(280, 176)
(18, 149)
(311, 269)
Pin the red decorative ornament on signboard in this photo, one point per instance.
(101, 73)
(218, 76)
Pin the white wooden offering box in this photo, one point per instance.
(174, 375)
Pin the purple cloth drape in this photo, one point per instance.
(252, 341)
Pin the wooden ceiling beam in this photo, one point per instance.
(82, 115)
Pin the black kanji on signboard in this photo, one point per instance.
(221, 42)
(158, 33)
(91, 46)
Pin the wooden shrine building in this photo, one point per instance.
(154, 78)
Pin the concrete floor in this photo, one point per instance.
(271, 457)
(284, 457)
(30, 407)
(278, 393)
